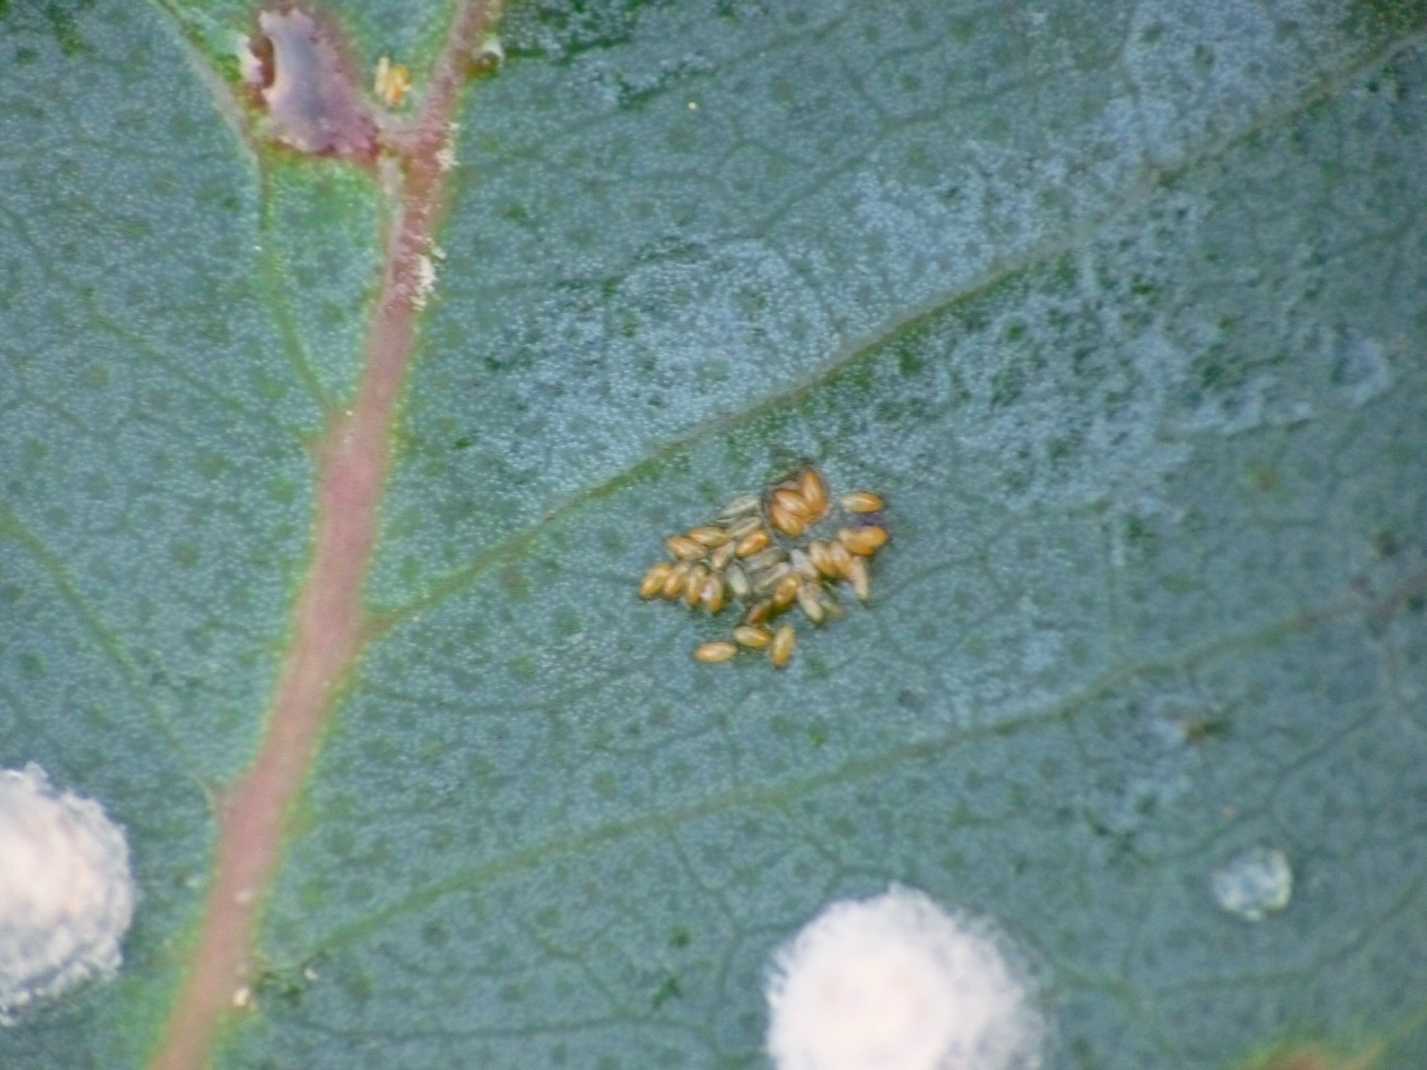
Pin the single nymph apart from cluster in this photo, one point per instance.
(785, 550)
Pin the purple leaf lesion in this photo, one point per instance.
(298, 68)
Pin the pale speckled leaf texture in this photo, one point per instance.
(1122, 307)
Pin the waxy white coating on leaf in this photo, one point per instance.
(66, 894)
(895, 983)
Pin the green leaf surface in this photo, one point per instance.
(1121, 306)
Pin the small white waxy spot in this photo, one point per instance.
(895, 981)
(490, 53)
(66, 893)
(446, 157)
(242, 997)
(1254, 883)
(425, 281)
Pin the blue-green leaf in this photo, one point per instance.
(1121, 308)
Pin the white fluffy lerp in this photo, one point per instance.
(895, 983)
(66, 894)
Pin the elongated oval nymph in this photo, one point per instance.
(740, 506)
(794, 503)
(857, 576)
(770, 578)
(759, 612)
(863, 501)
(712, 596)
(684, 548)
(694, 585)
(654, 580)
(820, 554)
(753, 636)
(720, 558)
(753, 542)
(737, 581)
(761, 562)
(865, 541)
(786, 591)
(713, 653)
(814, 491)
(803, 564)
(709, 536)
(786, 521)
(747, 526)
(674, 582)
(809, 602)
(780, 651)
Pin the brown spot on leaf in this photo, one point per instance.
(302, 77)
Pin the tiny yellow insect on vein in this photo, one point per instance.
(392, 82)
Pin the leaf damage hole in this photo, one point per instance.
(298, 66)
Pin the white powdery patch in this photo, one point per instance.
(424, 283)
(895, 983)
(66, 894)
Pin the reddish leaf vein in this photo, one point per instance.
(329, 630)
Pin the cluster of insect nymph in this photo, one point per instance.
(767, 553)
